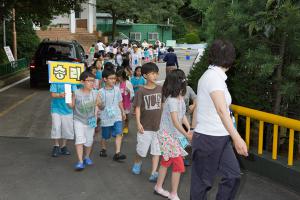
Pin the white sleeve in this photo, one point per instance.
(214, 83)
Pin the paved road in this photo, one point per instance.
(28, 172)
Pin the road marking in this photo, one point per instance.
(12, 85)
(16, 104)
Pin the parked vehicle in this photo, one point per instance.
(70, 51)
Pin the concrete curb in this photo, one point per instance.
(14, 77)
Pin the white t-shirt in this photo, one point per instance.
(100, 46)
(135, 60)
(208, 120)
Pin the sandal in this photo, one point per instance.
(103, 153)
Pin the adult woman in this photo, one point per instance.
(212, 149)
(171, 60)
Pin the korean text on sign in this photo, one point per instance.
(65, 72)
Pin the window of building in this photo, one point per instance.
(77, 14)
(152, 36)
(136, 36)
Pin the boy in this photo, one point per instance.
(148, 114)
(85, 103)
(112, 114)
(62, 119)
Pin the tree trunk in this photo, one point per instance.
(114, 24)
(278, 77)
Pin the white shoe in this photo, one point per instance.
(161, 192)
(173, 197)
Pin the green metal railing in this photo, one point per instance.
(9, 68)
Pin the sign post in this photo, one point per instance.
(9, 54)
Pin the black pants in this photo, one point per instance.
(212, 154)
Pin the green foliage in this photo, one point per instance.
(266, 34)
(192, 38)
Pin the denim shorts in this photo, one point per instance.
(108, 131)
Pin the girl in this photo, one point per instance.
(171, 134)
(137, 80)
(146, 55)
(85, 102)
(127, 95)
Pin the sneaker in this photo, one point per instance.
(161, 192)
(125, 130)
(136, 169)
(119, 156)
(88, 161)
(79, 166)
(55, 151)
(173, 197)
(153, 177)
(65, 151)
(186, 162)
(103, 153)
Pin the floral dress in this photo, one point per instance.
(168, 135)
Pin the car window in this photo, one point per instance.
(58, 50)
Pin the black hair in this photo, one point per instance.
(84, 75)
(138, 67)
(90, 69)
(221, 53)
(122, 73)
(170, 49)
(108, 72)
(149, 67)
(175, 84)
(109, 65)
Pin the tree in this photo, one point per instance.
(119, 9)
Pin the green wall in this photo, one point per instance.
(164, 32)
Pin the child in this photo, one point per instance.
(146, 55)
(127, 95)
(112, 114)
(62, 119)
(119, 58)
(137, 80)
(91, 54)
(85, 102)
(148, 112)
(171, 129)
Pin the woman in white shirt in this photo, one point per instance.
(212, 148)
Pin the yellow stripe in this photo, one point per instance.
(16, 104)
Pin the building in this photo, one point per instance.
(135, 31)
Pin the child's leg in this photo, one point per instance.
(103, 144)
(79, 151)
(161, 177)
(155, 162)
(89, 134)
(118, 143)
(175, 182)
(155, 151)
(117, 131)
(137, 159)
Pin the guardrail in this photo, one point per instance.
(9, 68)
(264, 117)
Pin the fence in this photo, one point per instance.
(263, 117)
(9, 68)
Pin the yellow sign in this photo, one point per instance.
(65, 72)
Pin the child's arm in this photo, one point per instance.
(57, 95)
(186, 122)
(138, 119)
(122, 110)
(178, 126)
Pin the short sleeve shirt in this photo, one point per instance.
(208, 120)
(149, 101)
(58, 105)
(85, 105)
(111, 112)
(137, 82)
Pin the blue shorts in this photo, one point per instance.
(116, 129)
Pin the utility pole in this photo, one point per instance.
(14, 33)
(4, 32)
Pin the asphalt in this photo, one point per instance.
(28, 172)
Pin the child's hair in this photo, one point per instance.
(109, 65)
(108, 72)
(122, 73)
(84, 75)
(137, 68)
(175, 84)
(149, 67)
(90, 69)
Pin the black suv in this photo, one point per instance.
(70, 51)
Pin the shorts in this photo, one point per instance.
(62, 126)
(144, 141)
(112, 131)
(178, 165)
(84, 134)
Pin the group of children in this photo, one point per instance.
(160, 114)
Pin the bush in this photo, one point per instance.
(192, 38)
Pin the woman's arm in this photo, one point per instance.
(218, 98)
